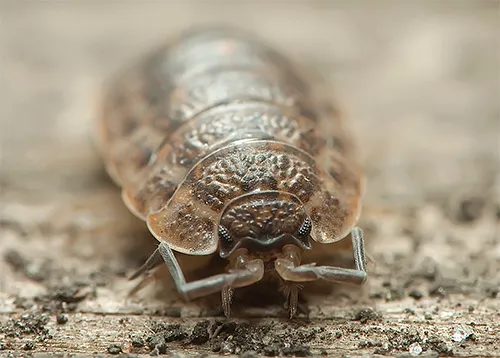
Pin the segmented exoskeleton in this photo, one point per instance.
(221, 144)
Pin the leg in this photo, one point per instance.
(289, 268)
(251, 272)
(291, 291)
(153, 261)
(143, 283)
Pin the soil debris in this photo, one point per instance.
(30, 329)
(366, 314)
(200, 334)
(163, 334)
(416, 294)
(243, 338)
(61, 319)
(466, 210)
(169, 332)
(137, 342)
(114, 349)
(58, 300)
(36, 271)
(410, 340)
(27, 324)
(29, 346)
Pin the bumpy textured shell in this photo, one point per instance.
(217, 114)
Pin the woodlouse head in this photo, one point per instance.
(262, 222)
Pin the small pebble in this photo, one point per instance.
(138, 342)
(409, 311)
(415, 349)
(416, 294)
(61, 319)
(159, 349)
(469, 210)
(126, 347)
(227, 347)
(461, 333)
(29, 346)
(114, 349)
(266, 340)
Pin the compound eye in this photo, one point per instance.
(224, 235)
(305, 229)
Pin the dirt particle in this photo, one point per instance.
(15, 260)
(366, 314)
(27, 324)
(394, 294)
(376, 295)
(157, 345)
(126, 347)
(416, 294)
(492, 291)
(38, 271)
(467, 210)
(272, 350)
(114, 349)
(29, 346)
(227, 347)
(137, 342)
(61, 299)
(61, 319)
(386, 284)
(270, 339)
(409, 311)
(437, 344)
(381, 351)
(170, 332)
(438, 290)
(415, 349)
(200, 333)
(174, 312)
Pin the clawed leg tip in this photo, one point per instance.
(227, 311)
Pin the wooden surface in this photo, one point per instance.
(420, 81)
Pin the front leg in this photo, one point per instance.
(251, 272)
(289, 268)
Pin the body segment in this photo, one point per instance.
(219, 143)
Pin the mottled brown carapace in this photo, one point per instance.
(221, 145)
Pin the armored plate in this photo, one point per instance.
(216, 115)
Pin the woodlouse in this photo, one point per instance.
(220, 143)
